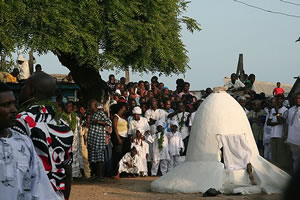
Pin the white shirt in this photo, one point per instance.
(22, 175)
(293, 121)
(164, 153)
(277, 130)
(237, 84)
(157, 114)
(192, 118)
(175, 143)
(141, 124)
(184, 130)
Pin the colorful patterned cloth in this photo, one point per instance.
(52, 140)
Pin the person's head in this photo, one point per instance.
(174, 127)
(150, 95)
(208, 91)
(117, 85)
(251, 78)
(60, 106)
(161, 85)
(123, 80)
(297, 99)
(132, 103)
(153, 103)
(75, 107)
(38, 68)
(68, 107)
(242, 101)
(21, 59)
(133, 151)
(121, 109)
(142, 100)
(271, 102)
(186, 86)
(233, 77)
(15, 72)
(179, 81)
(154, 79)
(70, 77)
(82, 110)
(141, 85)
(136, 112)
(8, 111)
(279, 100)
(180, 106)
(147, 85)
(278, 84)
(138, 134)
(144, 107)
(94, 105)
(111, 79)
(40, 86)
(257, 105)
(167, 104)
(154, 86)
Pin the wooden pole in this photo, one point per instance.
(240, 67)
(2, 62)
(127, 76)
(31, 62)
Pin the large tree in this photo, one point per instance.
(92, 35)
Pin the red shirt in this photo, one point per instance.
(278, 91)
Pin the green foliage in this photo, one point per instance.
(105, 34)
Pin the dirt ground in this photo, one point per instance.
(139, 189)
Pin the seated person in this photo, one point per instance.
(128, 164)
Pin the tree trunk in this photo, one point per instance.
(86, 77)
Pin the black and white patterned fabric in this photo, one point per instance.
(96, 137)
(52, 141)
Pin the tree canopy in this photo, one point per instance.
(100, 34)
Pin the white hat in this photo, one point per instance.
(137, 110)
(160, 123)
(21, 58)
(174, 123)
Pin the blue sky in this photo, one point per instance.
(229, 28)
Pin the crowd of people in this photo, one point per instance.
(143, 130)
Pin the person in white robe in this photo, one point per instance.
(23, 66)
(138, 122)
(182, 118)
(267, 130)
(128, 164)
(160, 150)
(176, 146)
(142, 148)
(153, 114)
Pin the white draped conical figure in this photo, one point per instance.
(220, 122)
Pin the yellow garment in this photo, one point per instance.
(7, 77)
(86, 165)
(122, 127)
(10, 78)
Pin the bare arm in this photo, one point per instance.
(114, 126)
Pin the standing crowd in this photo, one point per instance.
(143, 130)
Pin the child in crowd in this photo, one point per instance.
(143, 152)
(128, 164)
(160, 150)
(176, 146)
